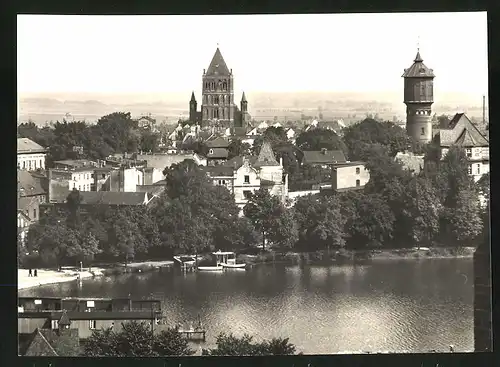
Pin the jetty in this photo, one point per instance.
(193, 335)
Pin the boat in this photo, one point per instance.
(228, 260)
(224, 261)
(210, 268)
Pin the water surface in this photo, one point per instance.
(407, 305)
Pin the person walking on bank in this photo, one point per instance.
(30, 273)
(35, 273)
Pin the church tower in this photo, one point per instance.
(244, 111)
(419, 97)
(218, 108)
(193, 107)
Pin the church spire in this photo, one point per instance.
(193, 99)
(217, 65)
(243, 98)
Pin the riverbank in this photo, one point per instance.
(68, 274)
(353, 256)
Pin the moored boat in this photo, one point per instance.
(210, 268)
(234, 266)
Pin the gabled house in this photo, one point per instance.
(460, 131)
(217, 151)
(31, 192)
(30, 155)
(249, 174)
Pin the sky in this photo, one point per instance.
(268, 53)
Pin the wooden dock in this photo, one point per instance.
(198, 335)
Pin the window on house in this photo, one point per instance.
(247, 179)
(357, 170)
(79, 188)
(220, 182)
(41, 163)
(211, 151)
(55, 324)
(103, 175)
(223, 182)
(468, 152)
(92, 324)
(478, 169)
(24, 165)
(469, 169)
(422, 131)
(247, 194)
(358, 183)
(34, 214)
(74, 185)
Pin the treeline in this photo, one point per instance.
(113, 133)
(439, 205)
(395, 210)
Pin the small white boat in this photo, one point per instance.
(234, 266)
(210, 268)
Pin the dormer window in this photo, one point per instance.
(422, 70)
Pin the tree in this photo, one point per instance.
(269, 217)
(238, 148)
(421, 211)
(317, 139)
(52, 242)
(149, 141)
(320, 221)
(229, 345)
(370, 131)
(371, 220)
(136, 340)
(118, 132)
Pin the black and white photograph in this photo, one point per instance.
(253, 185)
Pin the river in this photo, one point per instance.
(395, 306)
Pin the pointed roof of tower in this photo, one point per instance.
(418, 69)
(266, 156)
(217, 65)
(64, 320)
(243, 98)
(193, 99)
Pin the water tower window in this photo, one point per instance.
(422, 131)
(357, 170)
(358, 183)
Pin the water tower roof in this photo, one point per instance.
(418, 69)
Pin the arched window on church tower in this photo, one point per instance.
(224, 86)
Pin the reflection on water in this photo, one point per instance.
(384, 306)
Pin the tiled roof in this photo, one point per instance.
(237, 162)
(113, 198)
(328, 125)
(40, 346)
(219, 142)
(77, 163)
(266, 156)
(25, 145)
(461, 131)
(28, 184)
(325, 157)
(217, 153)
(418, 69)
(221, 170)
(217, 65)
